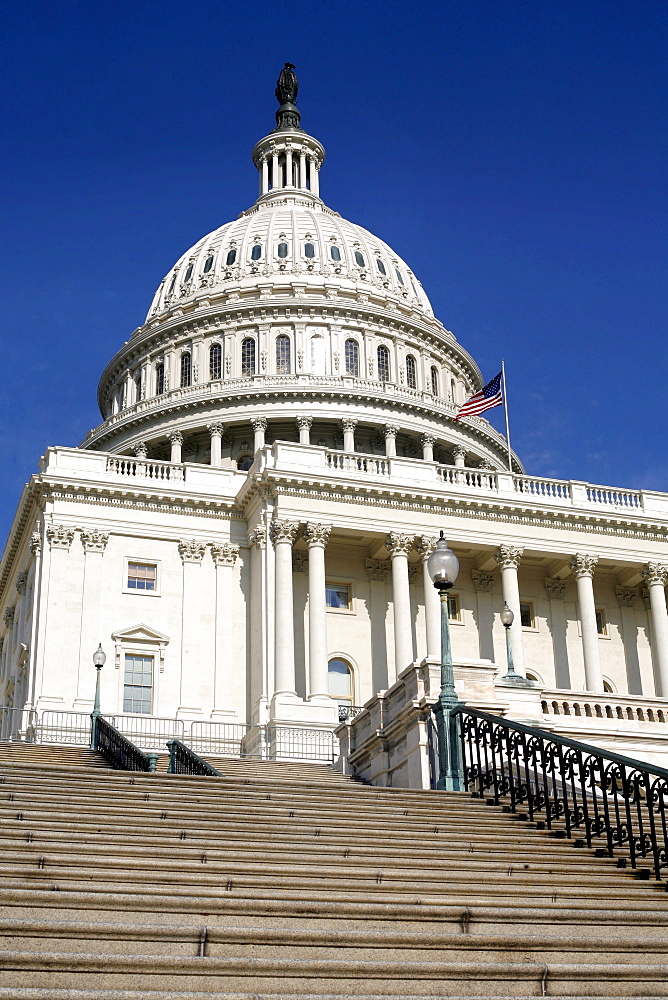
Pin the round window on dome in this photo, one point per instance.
(256, 252)
(208, 263)
(359, 259)
(380, 266)
(189, 273)
(335, 253)
(282, 250)
(231, 256)
(309, 250)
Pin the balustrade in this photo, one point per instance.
(142, 468)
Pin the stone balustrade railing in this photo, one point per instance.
(620, 707)
(144, 468)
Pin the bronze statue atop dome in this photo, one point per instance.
(287, 116)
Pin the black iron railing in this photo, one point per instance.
(118, 750)
(619, 804)
(183, 760)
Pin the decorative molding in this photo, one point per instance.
(555, 588)
(349, 424)
(459, 451)
(140, 449)
(59, 536)
(94, 540)
(483, 580)
(627, 596)
(304, 423)
(176, 437)
(224, 554)
(508, 556)
(8, 617)
(258, 536)
(216, 428)
(427, 440)
(583, 565)
(142, 636)
(259, 423)
(399, 544)
(655, 574)
(22, 583)
(426, 545)
(191, 551)
(283, 531)
(317, 535)
(378, 569)
(390, 431)
(35, 543)
(485, 465)
(299, 561)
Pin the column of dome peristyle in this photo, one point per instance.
(316, 536)
(273, 153)
(655, 575)
(583, 567)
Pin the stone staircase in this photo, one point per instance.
(293, 881)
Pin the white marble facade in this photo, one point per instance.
(282, 423)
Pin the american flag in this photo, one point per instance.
(488, 397)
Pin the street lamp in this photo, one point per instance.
(507, 619)
(443, 567)
(99, 659)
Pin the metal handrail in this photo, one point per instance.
(605, 795)
(118, 750)
(183, 760)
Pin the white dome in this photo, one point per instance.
(291, 239)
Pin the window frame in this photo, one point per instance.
(281, 368)
(434, 380)
(412, 378)
(355, 350)
(332, 583)
(532, 614)
(386, 350)
(353, 678)
(142, 561)
(144, 655)
(603, 633)
(244, 373)
(457, 618)
(183, 367)
(212, 347)
(160, 378)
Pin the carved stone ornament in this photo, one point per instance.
(215, 428)
(483, 581)
(140, 449)
(283, 532)
(300, 359)
(485, 464)
(224, 554)
(304, 423)
(426, 545)
(398, 544)
(299, 561)
(59, 537)
(508, 556)
(459, 451)
(627, 596)
(176, 437)
(258, 536)
(391, 430)
(259, 423)
(427, 440)
(94, 540)
(317, 534)
(9, 617)
(378, 569)
(583, 565)
(35, 543)
(555, 588)
(655, 574)
(349, 424)
(191, 551)
(22, 583)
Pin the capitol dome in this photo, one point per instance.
(295, 321)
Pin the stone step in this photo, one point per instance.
(101, 994)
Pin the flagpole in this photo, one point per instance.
(505, 409)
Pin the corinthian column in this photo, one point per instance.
(304, 424)
(349, 426)
(399, 546)
(508, 557)
(176, 441)
(316, 536)
(427, 442)
(283, 535)
(655, 575)
(583, 567)
(391, 431)
(216, 432)
(259, 428)
(432, 601)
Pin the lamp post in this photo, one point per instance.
(507, 619)
(443, 567)
(99, 659)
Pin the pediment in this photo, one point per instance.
(139, 633)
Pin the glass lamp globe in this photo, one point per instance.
(99, 656)
(507, 616)
(443, 565)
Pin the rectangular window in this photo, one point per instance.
(601, 622)
(337, 595)
(138, 686)
(454, 611)
(526, 614)
(142, 576)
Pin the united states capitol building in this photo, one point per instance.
(246, 531)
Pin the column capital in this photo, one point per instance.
(378, 569)
(509, 556)
(485, 463)
(555, 588)
(349, 423)
(399, 544)
(9, 617)
(59, 537)
(655, 574)
(459, 451)
(224, 554)
(35, 543)
(627, 596)
(304, 422)
(191, 551)
(176, 437)
(283, 531)
(22, 583)
(259, 423)
(94, 540)
(140, 449)
(317, 534)
(427, 440)
(216, 428)
(583, 564)
(258, 537)
(426, 545)
(483, 580)
(390, 430)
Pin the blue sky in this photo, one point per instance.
(514, 153)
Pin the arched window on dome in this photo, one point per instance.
(137, 387)
(256, 252)
(231, 256)
(186, 369)
(434, 380)
(398, 274)
(411, 372)
(171, 284)
(352, 357)
(159, 379)
(215, 362)
(309, 250)
(334, 252)
(282, 250)
(282, 355)
(318, 355)
(189, 273)
(359, 259)
(340, 680)
(380, 266)
(383, 356)
(247, 357)
(208, 263)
